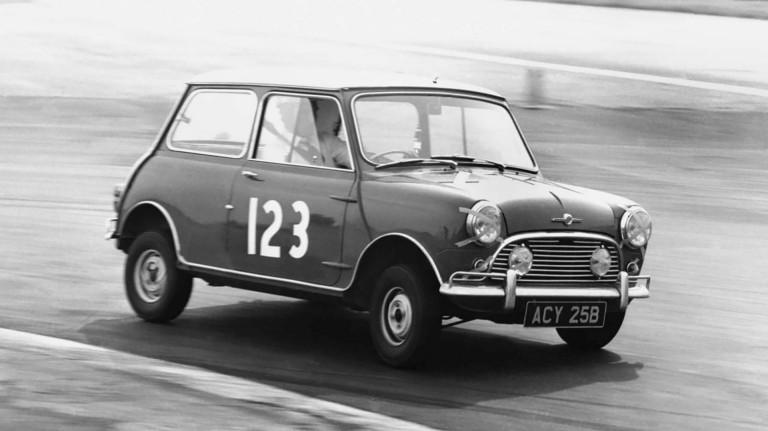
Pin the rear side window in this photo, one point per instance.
(216, 122)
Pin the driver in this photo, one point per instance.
(328, 123)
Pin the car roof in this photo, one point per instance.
(331, 79)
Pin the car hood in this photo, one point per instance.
(529, 203)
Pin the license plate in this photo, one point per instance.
(566, 314)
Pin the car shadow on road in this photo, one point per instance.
(325, 350)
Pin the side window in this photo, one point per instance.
(303, 130)
(217, 122)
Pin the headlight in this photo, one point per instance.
(636, 227)
(484, 222)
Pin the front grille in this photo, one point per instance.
(560, 261)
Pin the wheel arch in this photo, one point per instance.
(384, 251)
(144, 216)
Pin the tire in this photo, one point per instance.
(156, 289)
(593, 338)
(405, 316)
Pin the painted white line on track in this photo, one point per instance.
(680, 82)
(200, 380)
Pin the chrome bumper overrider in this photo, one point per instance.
(479, 285)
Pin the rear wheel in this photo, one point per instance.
(405, 315)
(156, 289)
(593, 338)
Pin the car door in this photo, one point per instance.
(290, 198)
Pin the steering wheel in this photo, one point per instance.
(390, 152)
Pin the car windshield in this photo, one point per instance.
(395, 128)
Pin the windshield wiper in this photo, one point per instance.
(472, 160)
(406, 162)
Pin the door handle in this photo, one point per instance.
(251, 175)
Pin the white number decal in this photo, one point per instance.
(299, 230)
(267, 249)
(252, 211)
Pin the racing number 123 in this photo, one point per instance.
(266, 249)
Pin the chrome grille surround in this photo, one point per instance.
(560, 258)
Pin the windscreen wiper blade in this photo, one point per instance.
(406, 162)
(460, 158)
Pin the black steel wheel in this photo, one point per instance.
(156, 289)
(593, 338)
(405, 315)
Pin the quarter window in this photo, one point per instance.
(303, 130)
(217, 122)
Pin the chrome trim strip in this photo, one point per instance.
(168, 219)
(188, 100)
(489, 98)
(410, 238)
(320, 286)
(260, 120)
(264, 277)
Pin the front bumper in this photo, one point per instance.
(482, 292)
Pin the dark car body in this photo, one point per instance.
(271, 212)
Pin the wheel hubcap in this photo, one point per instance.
(396, 316)
(150, 276)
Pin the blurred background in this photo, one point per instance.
(664, 102)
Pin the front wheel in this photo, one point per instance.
(593, 338)
(405, 316)
(156, 289)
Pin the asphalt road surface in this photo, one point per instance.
(81, 103)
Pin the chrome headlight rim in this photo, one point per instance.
(480, 213)
(629, 216)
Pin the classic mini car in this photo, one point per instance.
(415, 199)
